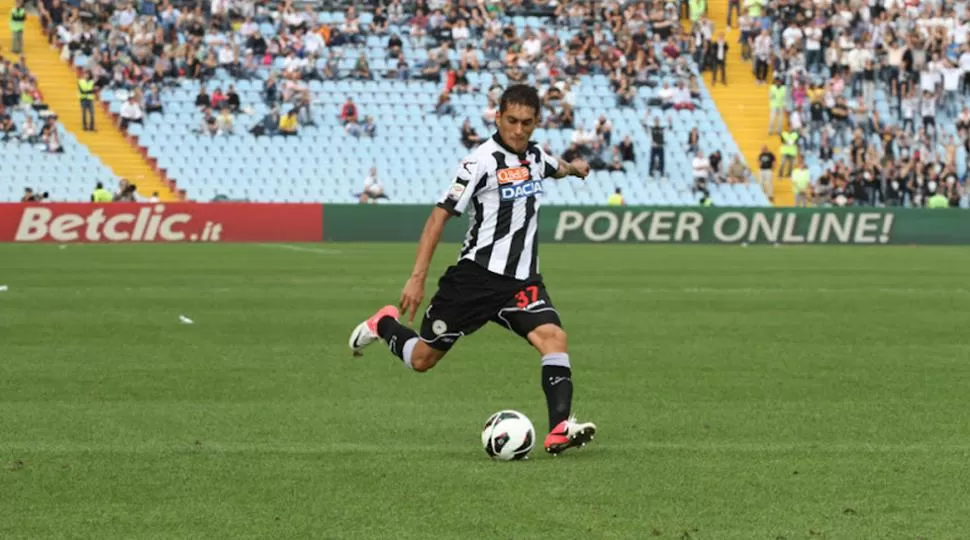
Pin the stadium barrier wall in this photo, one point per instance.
(156, 222)
(390, 223)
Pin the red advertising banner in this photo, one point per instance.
(160, 222)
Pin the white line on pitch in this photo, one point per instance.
(303, 249)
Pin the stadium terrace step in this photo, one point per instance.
(743, 104)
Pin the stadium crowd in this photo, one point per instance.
(827, 64)
(19, 91)
(145, 47)
(868, 89)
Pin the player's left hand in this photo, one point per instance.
(580, 167)
(411, 298)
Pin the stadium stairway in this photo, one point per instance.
(57, 82)
(744, 104)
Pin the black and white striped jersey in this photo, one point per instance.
(504, 190)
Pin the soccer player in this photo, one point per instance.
(497, 275)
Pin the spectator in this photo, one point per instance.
(210, 124)
(52, 137)
(7, 127)
(626, 149)
(604, 129)
(28, 131)
(218, 99)
(444, 106)
(737, 172)
(938, 200)
(801, 183)
(657, 148)
(693, 140)
(469, 138)
(269, 125)
(718, 57)
(714, 159)
(362, 68)
(18, 16)
(86, 93)
(100, 194)
(789, 151)
(777, 99)
(348, 113)
(289, 125)
(373, 189)
(131, 113)
(153, 101)
(126, 192)
(616, 198)
(225, 122)
(682, 98)
(766, 164)
(202, 100)
(701, 171)
(232, 99)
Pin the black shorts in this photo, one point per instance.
(469, 296)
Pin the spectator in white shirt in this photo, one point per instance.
(373, 189)
(701, 171)
(131, 113)
(682, 99)
(293, 66)
(28, 131)
(460, 34)
(792, 36)
(665, 96)
(313, 44)
(930, 76)
(951, 84)
(813, 47)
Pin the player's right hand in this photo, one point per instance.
(411, 298)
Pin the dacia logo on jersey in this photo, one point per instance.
(518, 191)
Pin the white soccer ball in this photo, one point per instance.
(508, 435)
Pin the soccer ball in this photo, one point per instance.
(508, 435)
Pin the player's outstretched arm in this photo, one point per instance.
(413, 292)
(577, 167)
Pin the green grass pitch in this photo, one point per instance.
(759, 393)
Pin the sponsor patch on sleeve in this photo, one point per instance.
(455, 191)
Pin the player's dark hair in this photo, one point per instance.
(519, 94)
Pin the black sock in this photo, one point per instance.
(557, 383)
(394, 334)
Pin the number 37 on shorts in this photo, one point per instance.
(531, 297)
(528, 309)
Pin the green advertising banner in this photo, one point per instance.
(383, 223)
(389, 223)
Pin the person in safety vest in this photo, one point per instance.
(85, 91)
(18, 17)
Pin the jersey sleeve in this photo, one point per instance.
(550, 164)
(459, 194)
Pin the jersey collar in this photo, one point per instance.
(498, 140)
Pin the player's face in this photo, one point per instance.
(516, 124)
